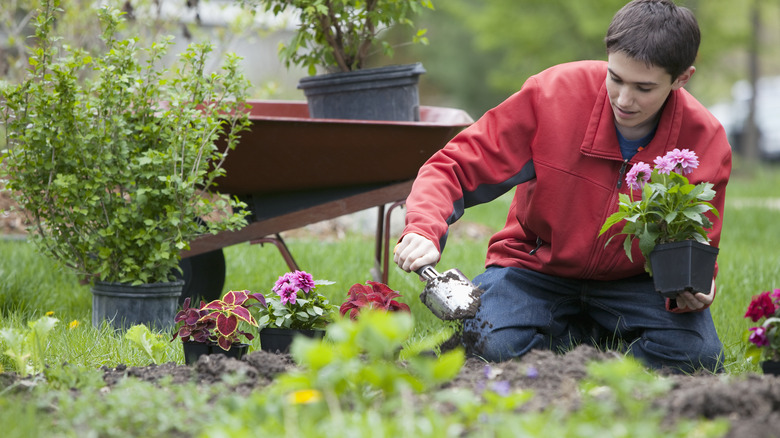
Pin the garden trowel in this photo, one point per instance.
(449, 295)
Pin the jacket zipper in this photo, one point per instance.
(620, 174)
(597, 253)
(539, 243)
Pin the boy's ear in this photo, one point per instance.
(683, 78)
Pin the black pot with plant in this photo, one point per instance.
(110, 156)
(338, 37)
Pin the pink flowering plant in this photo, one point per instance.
(294, 303)
(764, 341)
(669, 208)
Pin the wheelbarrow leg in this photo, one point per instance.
(382, 255)
(282, 247)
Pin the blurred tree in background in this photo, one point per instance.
(482, 51)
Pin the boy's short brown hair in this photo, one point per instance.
(657, 32)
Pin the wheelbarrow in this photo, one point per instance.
(340, 167)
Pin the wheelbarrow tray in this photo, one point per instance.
(288, 151)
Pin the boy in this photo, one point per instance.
(565, 141)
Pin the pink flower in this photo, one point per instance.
(760, 307)
(283, 281)
(758, 336)
(303, 281)
(638, 175)
(288, 293)
(775, 295)
(684, 160)
(663, 165)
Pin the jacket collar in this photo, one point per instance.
(601, 141)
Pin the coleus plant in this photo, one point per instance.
(371, 295)
(218, 320)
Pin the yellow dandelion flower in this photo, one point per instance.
(50, 313)
(304, 397)
(73, 324)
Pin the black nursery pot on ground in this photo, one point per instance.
(277, 340)
(194, 350)
(683, 266)
(125, 305)
(384, 93)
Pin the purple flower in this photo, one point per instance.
(684, 160)
(663, 165)
(775, 295)
(288, 293)
(304, 281)
(758, 336)
(501, 387)
(638, 175)
(532, 372)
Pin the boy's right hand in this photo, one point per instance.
(415, 251)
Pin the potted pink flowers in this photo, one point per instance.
(669, 220)
(764, 339)
(293, 307)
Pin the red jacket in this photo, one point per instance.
(555, 140)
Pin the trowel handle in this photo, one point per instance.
(427, 272)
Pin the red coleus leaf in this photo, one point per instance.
(383, 289)
(215, 305)
(244, 315)
(226, 325)
(259, 297)
(224, 343)
(236, 297)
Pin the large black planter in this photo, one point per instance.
(194, 350)
(683, 266)
(277, 340)
(125, 305)
(384, 93)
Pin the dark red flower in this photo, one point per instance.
(761, 307)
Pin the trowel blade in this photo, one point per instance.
(451, 296)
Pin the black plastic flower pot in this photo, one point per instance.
(278, 340)
(194, 350)
(683, 266)
(125, 305)
(384, 93)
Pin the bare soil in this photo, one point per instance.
(751, 403)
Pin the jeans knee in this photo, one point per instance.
(499, 345)
(688, 353)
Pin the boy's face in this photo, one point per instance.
(637, 92)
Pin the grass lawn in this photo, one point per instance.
(32, 286)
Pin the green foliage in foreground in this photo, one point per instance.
(349, 384)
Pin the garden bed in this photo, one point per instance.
(749, 402)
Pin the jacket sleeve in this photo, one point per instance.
(481, 163)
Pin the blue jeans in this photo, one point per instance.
(523, 310)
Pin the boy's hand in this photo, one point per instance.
(415, 251)
(698, 301)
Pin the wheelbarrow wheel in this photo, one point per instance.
(203, 275)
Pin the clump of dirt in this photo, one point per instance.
(258, 369)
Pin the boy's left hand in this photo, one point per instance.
(698, 301)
